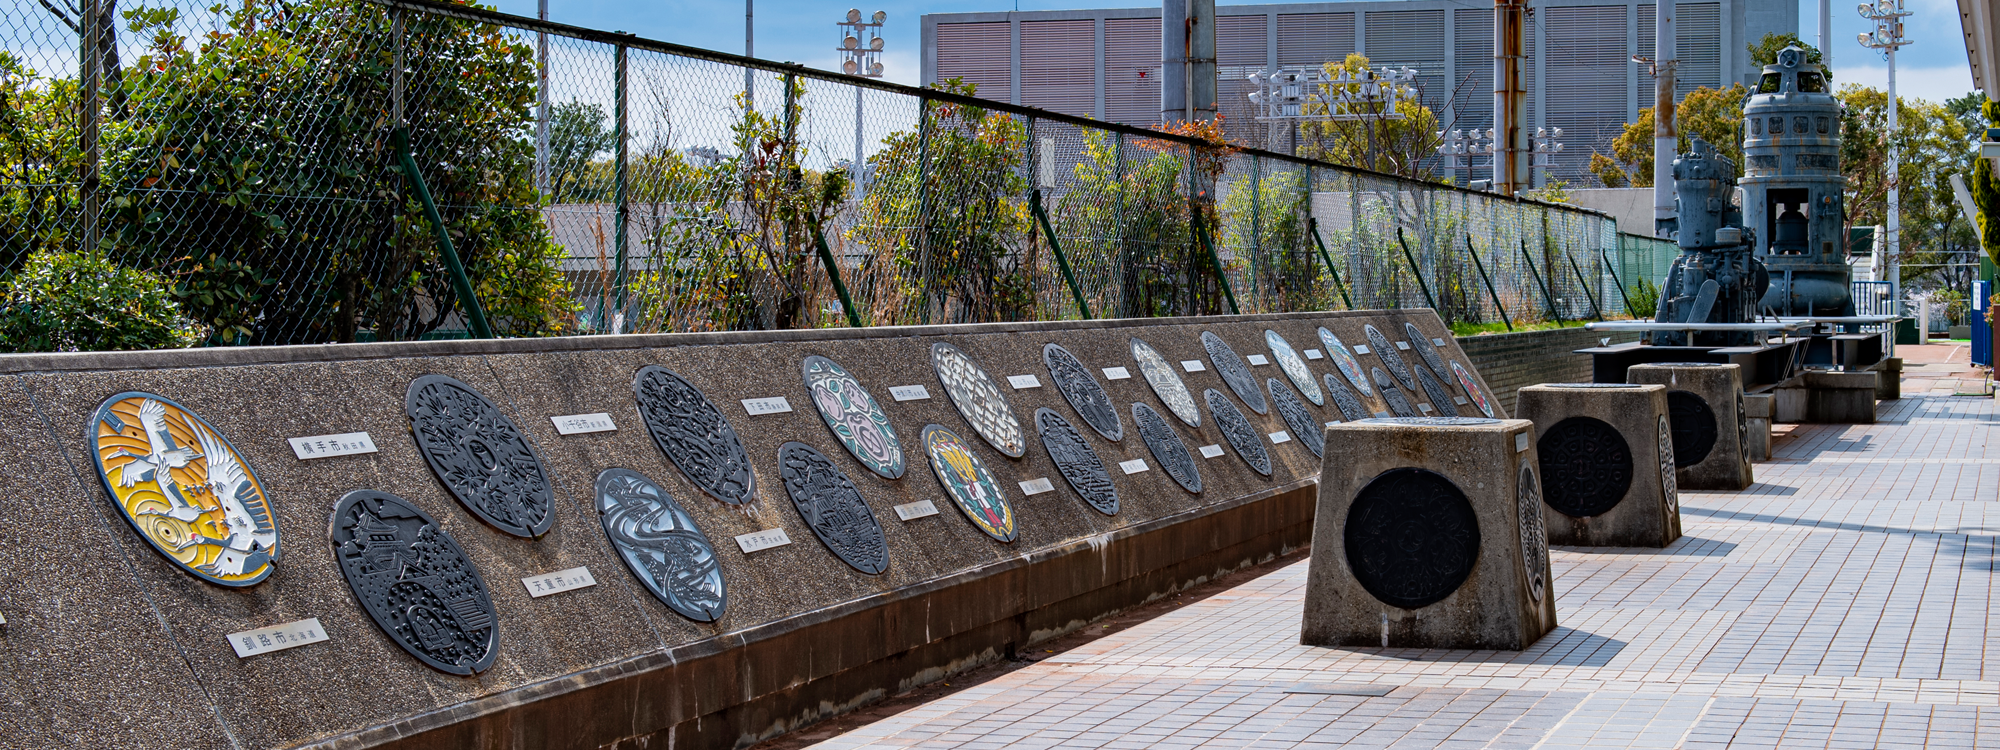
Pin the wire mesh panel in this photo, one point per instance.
(308, 172)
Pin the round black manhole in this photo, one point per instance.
(1694, 427)
(1586, 467)
(1411, 537)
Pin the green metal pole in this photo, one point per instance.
(620, 176)
(1489, 283)
(1585, 283)
(833, 272)
(1407, 255)
(1312, 225)
(1610, 267)
(1062, 261)
(459, 281)
(1207, 243)
(1537, 276)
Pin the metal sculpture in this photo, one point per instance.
(1534, 533)
(831, 506)
(694, 435)
(1234, 372)
(1235, 429)
(854, 417)
(1343, 360)
(1391, 358)
(480, 456)
(1294, 367)
(184, 488)
(978, 399)
(1350, 407)
(1166, 383)
(415, 582)
(1470, 383)
(1717, 278)
(659, 542)
(1083, 392)
(1588, 465)
(967, 482)
(1694, 427)
(1167, 448)
(1399, 404)
(1305, 427)
(1077, 461)
(1793, 189)
(1411, 538)
(1441, 398)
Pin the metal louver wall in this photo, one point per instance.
(1059, 66)
(1314, 38)
(1132, 70)
(1473, 49)
(1240, 49)
(1699, 31)
(978, 53)
(1587, 94)
(1414, 38)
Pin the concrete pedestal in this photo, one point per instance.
(1889, 379)
(1823, 397)
(1711, 430)
(1757, 424)
(1429, 534)
(1607, 461)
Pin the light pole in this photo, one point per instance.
(861, 44)
(1888, 17)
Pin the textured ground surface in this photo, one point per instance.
(1846, 600)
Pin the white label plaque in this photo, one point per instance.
(1520, 442)
(558, 582)
(1024, 382)
(1258, 360)
(1193, 365)
(771, 405)
(577, 424)
(1381, 414)
(760, 540)
(1279, 437)
(1403, 345)
(909, 393)
(1437, 341)
(1037, 486)
(1133, 466)
(916, 510)
(1423, 407)
(277, 638)
(1211, 451)
(1360, 348)
(328, 446)
(1460, 400)
(1314, 354)
(1116, 373)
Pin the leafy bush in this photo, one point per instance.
(65, 302)
(1645, 299)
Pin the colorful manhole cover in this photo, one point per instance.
(1343, 359)
(979, 399)
(854, 417)
(1294, 367)
(1166, 383)
(968, 483)
(184, 488)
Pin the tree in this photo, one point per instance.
(1986, 191)
(1932, 144)
(1404, 145)
(1711, 114)
(576, 136)
(1765, 51)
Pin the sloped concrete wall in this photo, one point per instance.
(1512, 361)
(107, 644)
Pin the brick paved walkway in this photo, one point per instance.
(1847, 600)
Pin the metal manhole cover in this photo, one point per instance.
(967, 482)
(1441, 399)
(1083, 392)
(1411, 537)
(1235, 429)
(1234, 372)
(1588, 466)
(854, 416)
(1077, 461)
(1390, 357)
(979, 399)
(1166, 383)
(1167, 448)
(1399, 404)
(1669, 479)
(1534, 534)
(660, 544)
(1350, 407)
(1305, 428)
(1425, 349)
(415, 582)
(1294, 367)
(1694, 427)
(1343, 360)
(480, 456)
(1470, 383)
(694, 435)
(831, 506)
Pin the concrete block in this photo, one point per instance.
(1429, 533)
(1826, 397)
(1757, 418)
(1711, 430)
(1607, 461)
(1889, 380)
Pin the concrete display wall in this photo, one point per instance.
(1512, 361)
(107, 644)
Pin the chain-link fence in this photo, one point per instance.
(256, 161)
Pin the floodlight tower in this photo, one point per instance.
(1888, 16)
(861, 45)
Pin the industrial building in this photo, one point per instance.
(1106, 63)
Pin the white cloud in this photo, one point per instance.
(1935, 84)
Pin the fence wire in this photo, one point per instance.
(250, 158)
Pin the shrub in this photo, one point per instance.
(66, 302)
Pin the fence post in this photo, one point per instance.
(1546, 296)
(1312, 227)
(467, 299)
(620, 176)
(1609, 267)
(1208, 243)
(1062, 261)
(1417, 271)
(1474, 252)
(1585, 283)
(91, 60)
(1256, 229)
(833, 272)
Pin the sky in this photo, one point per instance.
(1933, 67)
